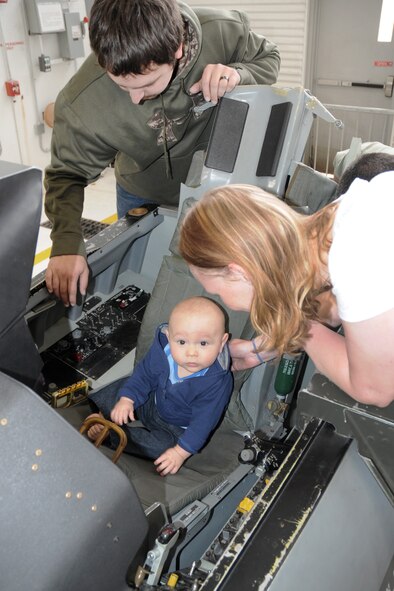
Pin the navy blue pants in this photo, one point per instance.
(149, 441)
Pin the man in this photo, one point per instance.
(133, 100)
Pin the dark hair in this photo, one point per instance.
(128, 35)
(365, 167)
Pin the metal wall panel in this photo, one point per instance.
(284, 23)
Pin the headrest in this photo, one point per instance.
(187, 204)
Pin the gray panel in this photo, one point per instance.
(348, 541)
(20, 211)
(226, 135)
(70, 519)
(372, 427)
(71, 41)
(273, 139)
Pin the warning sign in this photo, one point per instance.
(383, 64)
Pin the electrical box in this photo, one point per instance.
(44, 63)
(44, 16)
(71, 41)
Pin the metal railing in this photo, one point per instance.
(367, 123)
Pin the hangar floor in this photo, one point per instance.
(100, 206)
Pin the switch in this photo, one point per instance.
(12, 88)
(44, 62)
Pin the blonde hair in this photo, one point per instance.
(272, 242)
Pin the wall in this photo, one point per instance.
(343, 49)
(19, 52)
(346, 50)
(282, 21)
(21, 117)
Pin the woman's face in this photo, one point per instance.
(233, 287)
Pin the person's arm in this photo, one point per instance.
(144, 378)
(362, 362)
(206, 412)
(255, 60)
(123, 411)
(207, 409)
(246, 355)
(171, 460)
(64, 274)
(77, 159)
(259, 62)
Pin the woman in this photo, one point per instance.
(299, 276)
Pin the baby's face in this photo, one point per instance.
(196, 341)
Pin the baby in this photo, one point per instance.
(178, 391)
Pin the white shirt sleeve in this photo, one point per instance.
(361, 257)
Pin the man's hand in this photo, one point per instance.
(171, 460)
(63, 274)
(216, 80)
(123, 411)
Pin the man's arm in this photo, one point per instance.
(64, 275)
(72, 168)
(259, 63)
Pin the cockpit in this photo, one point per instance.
(255, 508)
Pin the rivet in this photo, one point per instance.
(94, 507)
(34, 467)
(3, 422)
(68, 494)
(38, 452)
(79, 495)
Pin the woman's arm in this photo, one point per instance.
(245, 354)
(362, 362)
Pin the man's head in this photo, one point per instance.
(128, 36)
(196, 333)
(365, 167)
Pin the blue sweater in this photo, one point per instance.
(196, 403)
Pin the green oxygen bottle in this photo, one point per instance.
(286, 374)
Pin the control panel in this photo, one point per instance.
(104, 335)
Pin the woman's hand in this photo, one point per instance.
(245, 354)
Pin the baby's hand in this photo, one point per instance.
(123, 411)
(171, 460)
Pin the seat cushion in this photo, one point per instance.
(199, 475)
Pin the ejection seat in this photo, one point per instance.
(204, 471)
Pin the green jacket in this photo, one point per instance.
(96, 122)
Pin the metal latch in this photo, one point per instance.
(388, 86)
